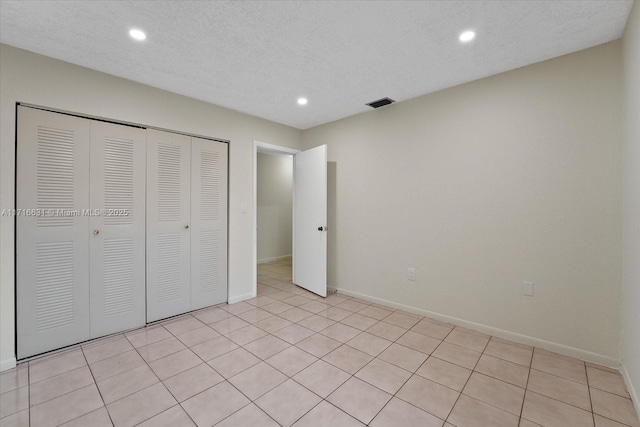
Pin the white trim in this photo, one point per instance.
(7, 364)
(261, 147)
(240, 298)
(272, 259)
(501, 333)
(630, 388)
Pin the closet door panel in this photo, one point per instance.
(168, 233)
(117, 224)
(52, 246)
(208, 223)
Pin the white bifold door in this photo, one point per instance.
(117, 229)
(208, 222)
(168, 221)
(116, 225)
(80, 229)
(186, 224)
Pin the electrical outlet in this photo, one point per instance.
(411, 274)
(527, 289)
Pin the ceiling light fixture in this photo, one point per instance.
(137, 34)
(467, 36)
(302, 101)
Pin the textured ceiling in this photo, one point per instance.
(259, 57)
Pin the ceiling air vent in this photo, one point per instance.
(381, 102)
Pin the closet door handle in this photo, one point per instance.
(186, 227)
(96, 232)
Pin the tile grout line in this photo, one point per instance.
(593, 415)
(157, 377)
(29, 400)
(95, 382)
(498, 379)
(63, 394)
(310, 409)
(526, 388)
(400, 388)
(341, 410)
(466, 382)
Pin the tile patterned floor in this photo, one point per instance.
(289, 357)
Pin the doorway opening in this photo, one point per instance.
(274, 231)
(273, 195)
(309, 217)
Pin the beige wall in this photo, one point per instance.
(513, 178)
(631, 206)
(275, 198)
(35, 79)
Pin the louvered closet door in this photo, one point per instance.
(117, 225)
(168, 206)
(52, 257)
(208, 223)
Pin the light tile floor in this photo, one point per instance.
(289, 357)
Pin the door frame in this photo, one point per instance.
(263, 147)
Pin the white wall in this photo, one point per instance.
(631, 206)
(275, 198)
(513, 178)
(480, 187)
(35, 79)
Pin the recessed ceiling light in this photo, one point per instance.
(137, 34)
(467, 36)
(302, 101)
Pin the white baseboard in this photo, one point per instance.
(631, 388)
(490, 330)
(7, 364)
(239, 298)
(272, 259)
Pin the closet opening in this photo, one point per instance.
(117, 226)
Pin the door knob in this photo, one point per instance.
(186, 227)
(96, 232)
(322, 228)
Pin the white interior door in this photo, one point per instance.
(168, 216)
(208, 223)
(52, 257)
(310, 220)
(117, 225)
